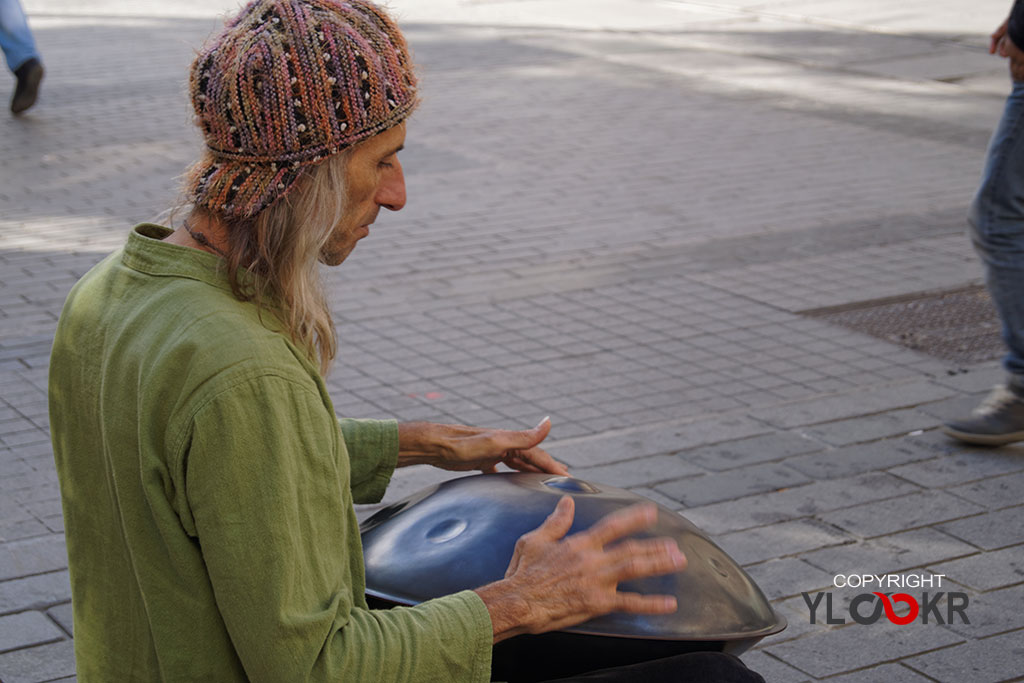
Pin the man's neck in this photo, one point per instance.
(202, 232)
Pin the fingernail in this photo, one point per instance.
(671, 604)
(547, 418)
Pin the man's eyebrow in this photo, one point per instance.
(396, 150)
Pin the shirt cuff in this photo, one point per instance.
(373, 455)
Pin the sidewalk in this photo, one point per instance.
(639, 217)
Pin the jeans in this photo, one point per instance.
(15, 37)
(996, 217)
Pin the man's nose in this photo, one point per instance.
(391, 194)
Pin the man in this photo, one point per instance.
(207, 484)
(19, 48)
(997, 226)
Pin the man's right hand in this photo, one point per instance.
(1001, 43)
(554, 581)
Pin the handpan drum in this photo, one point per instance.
(461, 534)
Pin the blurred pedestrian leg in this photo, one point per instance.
(22, 57)
(996, 217)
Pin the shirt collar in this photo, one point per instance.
(146, 252)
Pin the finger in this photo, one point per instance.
(621, 523)
(645, 604)
(539, 460)
(558, 523)
(521, 464)
(493, 469)
(640, 559)
(520, 440)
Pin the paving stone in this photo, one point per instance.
(33, 592)
(993, 659)
(980, 378)
(799, 501)
(606, 448)
(992, 530)
(906, 512)
(871, 427)
(745, 481)
(843, 462)
(32, 556)
(26, 629)
(956, 407)
(62, 615)
(639, 472)
(986, 571)
(779, 540)
(857, 646)
(786, 578)
(798, 622)
(732, 454)
(990, 613)
(961, 467)
(852, 404)
(36, 664)
(892, 553)
(657, 498)
(771, 669)
(993, 493)
(890, 673)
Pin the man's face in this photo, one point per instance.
(374, 180)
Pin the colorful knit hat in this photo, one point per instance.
(287, 84)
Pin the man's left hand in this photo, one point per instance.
(460, 448)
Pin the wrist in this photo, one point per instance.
(419, 443)
(510, 614)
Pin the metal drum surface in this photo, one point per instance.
(461, 534)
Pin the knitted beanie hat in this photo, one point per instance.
(286, 84)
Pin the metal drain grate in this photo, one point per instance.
(960, 326)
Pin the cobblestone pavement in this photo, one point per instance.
(618, 218)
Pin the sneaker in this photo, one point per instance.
(998, 420)
(29, 75)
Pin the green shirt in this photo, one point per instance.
(208, 486)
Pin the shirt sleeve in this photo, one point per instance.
(266, 483)
(373, 454)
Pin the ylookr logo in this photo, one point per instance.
(867, 608)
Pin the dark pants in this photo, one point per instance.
(696, 667)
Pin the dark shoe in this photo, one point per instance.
(29, 75)
(998, 420)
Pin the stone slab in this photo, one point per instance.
(799, 501)
(892, 553)
(732, 454)
(858, 646)
(26, 629)
(732, 484)
(779, 540)
(661, 440)
(37, 664)
(992, 530)
(33, 592)
(926, 508)
(993, 659)
(871, 427)
(986, 571)
(639, 472)
(32, 556)
(852, 404)
(855, 459)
